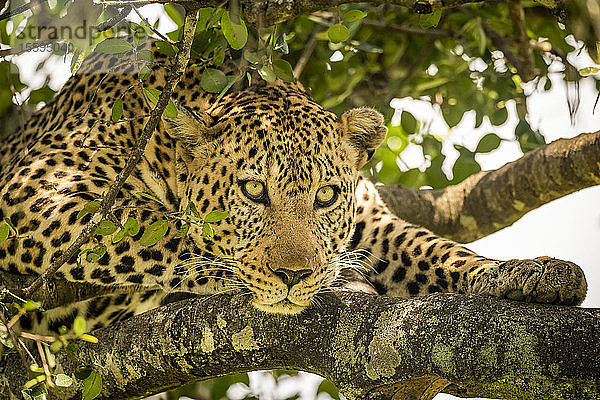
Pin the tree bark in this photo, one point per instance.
(371, 347)
(489, 201)
(267, 13)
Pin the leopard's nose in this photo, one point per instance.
(291, 277)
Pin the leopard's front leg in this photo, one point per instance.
(412, 261)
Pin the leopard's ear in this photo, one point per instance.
(365, 130)
(191, 129)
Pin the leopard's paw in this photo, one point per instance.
(541, 280)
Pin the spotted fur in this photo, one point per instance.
(283, 249)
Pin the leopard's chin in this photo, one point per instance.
(281, 307)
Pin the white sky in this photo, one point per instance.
(568, 228)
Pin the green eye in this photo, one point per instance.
(254, 190)
(326, 196)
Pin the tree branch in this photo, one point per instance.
(274, 12)
(517, 17)
(371, 347)
(489, 201)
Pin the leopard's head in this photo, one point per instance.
(285, 170)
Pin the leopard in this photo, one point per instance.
(287, 173)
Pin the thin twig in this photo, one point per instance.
(504, 45)
(14, 339)
(163, 37)
(115, 19)
(426, 52)
(309, 48)
(23, 48)
(42, 353)
(517, 17)
(440, 33)
(135, 155)
(32, 336)
(21, 9)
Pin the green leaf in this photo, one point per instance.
(204, 14)
(192, 210)
(153, 95)
(154, 233)
(354, 15)
(139, 33)
(528, 139)
(213, 80)
(89, 208)
(83, 372)
(499, 116)
(281, 44)
(236, 34)
(283, 70)
(430, 20)
(183, 231)
(149, 196)
(31, 305)
(92, 386)
(166, 48)
(131, 227)
(207, 231)
(118, 237)
(4, 232)
(174, 14)
(63, 380)
(117, 110)
(215, 216)
(588, 71)
(56, 346)
(267, 73)
(251, 56)
(77, 60)
(145, 55)
(338, 33)
(145, 73)
(113, 46)
(219, 56)
(88, 338)
(43, 94)
(12, 226)
(489, 142)
(79, 326)
(105, 227)
(95, 253)
(170, 110)
(408, 122)
(329, 388)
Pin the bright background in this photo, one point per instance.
(568, 228)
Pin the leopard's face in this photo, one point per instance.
(284, 169)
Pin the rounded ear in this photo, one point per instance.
(191, 129)
(365, 131)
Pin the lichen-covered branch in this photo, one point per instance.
(489, 201)
(371, 347)
(274, 12)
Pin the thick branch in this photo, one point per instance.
(489, 201)
(274, 12)
(371, 347)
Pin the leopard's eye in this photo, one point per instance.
(254, 190)
(326, 196)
